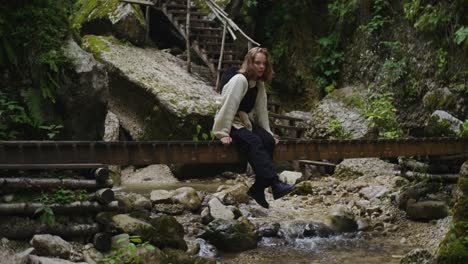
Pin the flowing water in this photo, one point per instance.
(333, 250)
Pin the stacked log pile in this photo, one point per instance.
(55, 205)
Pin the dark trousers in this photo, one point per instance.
(258, 146)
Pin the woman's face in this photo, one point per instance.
(259, 64)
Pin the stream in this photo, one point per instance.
(349, 248)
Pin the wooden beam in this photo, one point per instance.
(140, 2)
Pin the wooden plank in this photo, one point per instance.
(318, 163)
(140, 2)
(51, 166)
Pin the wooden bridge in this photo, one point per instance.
(27, 153)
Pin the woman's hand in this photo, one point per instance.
(226, 140)
(277, 139)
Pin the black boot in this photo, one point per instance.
(280, 189)
(258, 194)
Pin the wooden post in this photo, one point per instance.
(187, 34)
(147, 17)
(220, 61)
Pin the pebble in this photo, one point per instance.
(403, 240)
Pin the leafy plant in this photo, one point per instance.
(47, 215)
(379, 17)
(12, 117)
(63, 196)
(129, 253)
(382, 115)
(461, 36)
(51, 130)
(204, 136)
(337, 130)
(463, 130)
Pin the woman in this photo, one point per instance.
(243, 119)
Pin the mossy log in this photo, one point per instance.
(46, 183)
(101, 174)
(447, 178)
(77, 208)
(33, 228)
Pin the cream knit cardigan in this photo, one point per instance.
(228, 116)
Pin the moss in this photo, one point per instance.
(460, 211)
(463, 184)
(453, 252)
(96, 44)
(86, 10)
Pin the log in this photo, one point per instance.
(101, 174)
(43, 183)
(102, 241)
(447, 178)
(34, 227)
(103, 196)
(76, 208)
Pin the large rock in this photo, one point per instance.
(151, 92)
(427, 210)
(133, 226)
(153, 174)
(168, 233)
(442, 123)
(132, 201)
(354, 168)
(231, 235)
(49, 245)
(188, 197)
(104, 17)
(219, 210)
(337, 117)
(83, 97)
(342, 220)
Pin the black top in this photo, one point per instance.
(248, 102)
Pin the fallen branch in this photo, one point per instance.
(65, 231)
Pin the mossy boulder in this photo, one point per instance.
(441, 124)
(151, 92)
(110, 17)
(168, 233)
(232, 235)
(454, 247)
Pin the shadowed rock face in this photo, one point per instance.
(110, 17)
(151, 93)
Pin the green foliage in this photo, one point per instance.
(128, 254)
(382, 115)
(380, 18)
(394, 70)
(12, 117)
(463, 130)
(199, 135)
(31, 36)
(327, 64)
(51, 130)
(47, 215)
(441, 60)
(63, 196)
(337, 130)
(461, 36)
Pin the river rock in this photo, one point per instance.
(427, 210)
(83, 97)
(133, 226)
(290, 177)
(442, 123)
(110, 17)
(237, 194)
(231, 235)
(354, 168)
(219, 210)
(170, 209)
(342, 220)
(303, 188)
(269, 229)
(206, 216)
(168, 232)
(151, 92)
(151, 256)
(206, 249)
(418, 255)
(373, 192)
(188, 197)
(161, 197)
(49, 245)
(132, 201)
(153, 174)
(177, 256)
